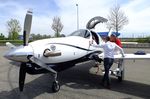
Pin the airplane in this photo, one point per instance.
(57, 54)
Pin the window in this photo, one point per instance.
(82, 33)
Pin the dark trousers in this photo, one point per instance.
(107, 65)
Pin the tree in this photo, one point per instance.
(2, 37)
(39, 36)
(13, 28)
(117, 19)
(57, 26)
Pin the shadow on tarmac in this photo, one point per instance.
(77, 77)
(87, 81)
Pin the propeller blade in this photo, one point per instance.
(27, 27)
(22, 76)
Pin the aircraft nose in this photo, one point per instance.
(19, 54)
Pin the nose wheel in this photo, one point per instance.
(55, 86)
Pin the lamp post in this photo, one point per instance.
(116, 3)
(77, 17)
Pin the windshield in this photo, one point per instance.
(82, 33)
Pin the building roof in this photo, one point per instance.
(105, 34)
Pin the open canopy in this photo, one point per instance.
(94, 21)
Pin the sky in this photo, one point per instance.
(137, 11)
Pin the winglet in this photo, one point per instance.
(10, 45)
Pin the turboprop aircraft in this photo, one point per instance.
(54, 54)
(57, 54)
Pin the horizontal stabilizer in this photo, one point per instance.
(10, 45)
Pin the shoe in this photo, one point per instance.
(102, 84)
(95, 66)
(108, 87)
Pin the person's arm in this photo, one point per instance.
(99, 46)
(118, 42)
(120, 49)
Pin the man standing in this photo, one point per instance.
(115, 39)
(109, 49)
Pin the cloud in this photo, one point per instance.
(86, 10)
(16, 10)
(138, 14)
(11, 9)
(44, 11)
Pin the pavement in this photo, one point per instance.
(79, 82)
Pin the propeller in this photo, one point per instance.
(27, 27)
(26, 33)
(22, 76)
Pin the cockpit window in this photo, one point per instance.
(82, 33)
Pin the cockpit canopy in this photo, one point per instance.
(94, 21)
(85, 33)
(82, 33)
(88, 33)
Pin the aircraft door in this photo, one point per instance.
(94, 21)
(95, 40)
(91, 25)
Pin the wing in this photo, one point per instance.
(132, 56)
(128, 56)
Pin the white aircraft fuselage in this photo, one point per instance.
(54, 54)
(59, 50)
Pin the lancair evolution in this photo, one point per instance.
(57, 54)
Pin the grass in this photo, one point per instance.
(15, 42)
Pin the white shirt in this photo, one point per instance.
(109, 49)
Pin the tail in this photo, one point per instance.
(10, 45)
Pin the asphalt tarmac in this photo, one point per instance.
(79, 82)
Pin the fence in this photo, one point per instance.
(139, 45)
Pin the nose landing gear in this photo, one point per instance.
(55, 86)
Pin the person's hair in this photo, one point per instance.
(107, 38)
(114, 35)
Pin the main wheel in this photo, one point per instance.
(120, 78)
(55, 86)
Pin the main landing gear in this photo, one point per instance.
(119, 72)
(121, 76)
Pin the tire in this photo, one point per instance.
(120, 78)
(55, 86)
